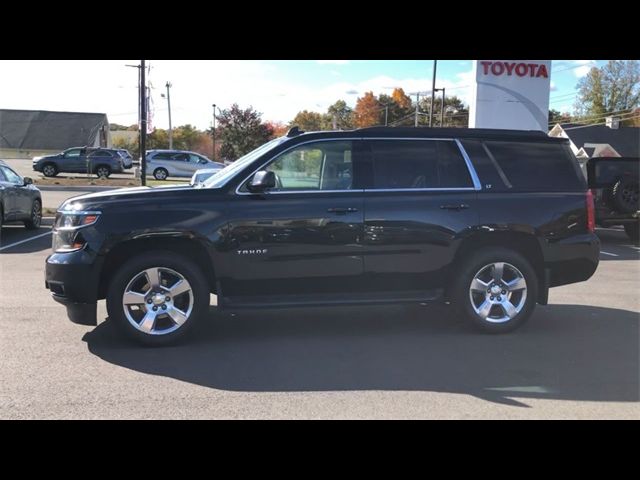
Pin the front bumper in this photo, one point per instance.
(73, 280)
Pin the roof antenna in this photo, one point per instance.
(294, 132)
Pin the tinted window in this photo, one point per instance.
(180, 157)
(73, 153)
(163, 156)
(400, 164)
(100, 154)
(532, 166)
(194, 158)
(485, 167)
(316, 166)
(2, 177)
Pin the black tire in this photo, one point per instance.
(632, 230)
(160, 174)
(163, 259)
(49, 170)
(35, 220)
(1, 216)
(470, 266)
(625, 195)
(102, 171)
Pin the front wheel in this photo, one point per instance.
(157, 298)
(160, 174)
(496, 289)
(632, 230)
(49, 170)
(35, 218)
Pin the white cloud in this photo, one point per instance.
(332, 62)
(583, 69)
(553, 87)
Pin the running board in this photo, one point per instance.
(370, 298)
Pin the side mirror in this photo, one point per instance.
(27, 181)
(262, 181)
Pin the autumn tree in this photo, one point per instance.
(307, 121)
(279, 129)
(615, 87)
(367, 111)
(240, 131)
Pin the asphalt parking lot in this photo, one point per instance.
(577, 357)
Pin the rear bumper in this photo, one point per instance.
(571, 260)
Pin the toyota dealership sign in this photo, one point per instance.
(511, 94)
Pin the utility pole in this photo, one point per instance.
(433, 91)
(213, 133)
(169, 105)
(442, 109)
(386, 114)
(143, 124)
(417, 103)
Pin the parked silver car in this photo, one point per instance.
(176, 163)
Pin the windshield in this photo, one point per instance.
(227, 173)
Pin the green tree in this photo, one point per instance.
(456, 114)
(117, 126)
(556, 117)
(308, 121)
(615, 87)
(240, 131)
(342, 114)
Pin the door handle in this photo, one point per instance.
(460, 206)
(341, 210)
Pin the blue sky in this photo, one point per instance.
(278, 89)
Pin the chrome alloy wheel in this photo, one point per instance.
(157, 301)
(498, 292)
(36, 214)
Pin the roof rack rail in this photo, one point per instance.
(294, 132)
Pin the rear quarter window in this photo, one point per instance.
(525, 166)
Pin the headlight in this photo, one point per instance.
(67, 230)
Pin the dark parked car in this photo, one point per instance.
(486, 219)
(614, 182)
(99, 161)
(20, 200)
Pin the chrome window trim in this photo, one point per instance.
(472, 172)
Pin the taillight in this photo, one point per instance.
(591, 212)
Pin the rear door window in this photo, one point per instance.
(418, 164)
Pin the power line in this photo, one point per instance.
(602, 123)
(593, 117)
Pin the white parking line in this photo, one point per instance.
(612, 254)
(24, 241)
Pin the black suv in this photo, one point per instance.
(100, 161)
(486, 219)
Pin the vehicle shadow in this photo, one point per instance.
(567, 352)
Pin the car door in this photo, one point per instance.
(422, 201)
(181, 165)
(196, 162)
(73, 161)
(7, 195)
(303, 237)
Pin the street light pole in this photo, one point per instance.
(417, 103)
(169, 105)
(442, 110)
(433, 91)
(386, 114)
(143, 124)
(213, 133)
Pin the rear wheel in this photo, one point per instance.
(35, 218)
(160, 174)
(158, 297)
(496, 289)
(632, 231)
(103, 171)
(49, 170)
